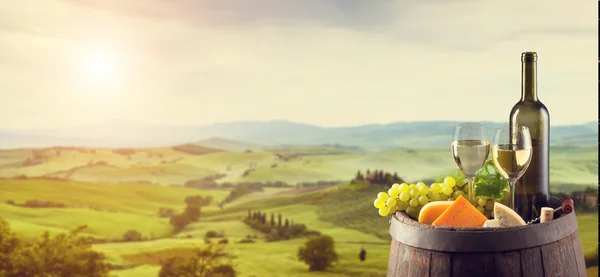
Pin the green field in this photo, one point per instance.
(112, 193)
(571, 167)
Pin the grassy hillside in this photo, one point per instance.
(344, 212)
(107, 209)
(116, 190)
(571, 167)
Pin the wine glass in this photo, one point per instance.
(511, 153)
(470, 149)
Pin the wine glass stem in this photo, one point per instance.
(511, 197)
(471, 184)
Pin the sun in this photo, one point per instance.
(100, 65)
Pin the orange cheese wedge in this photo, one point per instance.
(461, 213)
(432, 210)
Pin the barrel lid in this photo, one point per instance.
(450, 239)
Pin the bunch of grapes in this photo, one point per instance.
(485, 205)
(411, 198)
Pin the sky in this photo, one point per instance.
(322, 62)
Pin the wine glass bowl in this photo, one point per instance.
(511, 153)
(470, 149)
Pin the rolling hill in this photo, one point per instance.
(572, 167)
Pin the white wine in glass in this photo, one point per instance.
(470, 149)
(511, 155)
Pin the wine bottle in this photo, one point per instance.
(532, 191)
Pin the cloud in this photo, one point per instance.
(459, 25)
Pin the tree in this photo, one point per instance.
(249, 214)
(205, 263)
(166, 212)
(359, 176)
(287, 223)
(132, 235)
(272, 220)
(61, 255)
(318, 252)
(396, 178)
(193, 211)
(199, 200)
(279, 220)
(180, 221)
(362, 256)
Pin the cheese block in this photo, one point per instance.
(506, 216)
(432, 210)
(461, 213)
(492, 223)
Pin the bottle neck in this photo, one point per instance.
(529, 81)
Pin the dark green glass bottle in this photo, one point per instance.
(532, 191)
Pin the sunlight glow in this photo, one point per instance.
(100, 65)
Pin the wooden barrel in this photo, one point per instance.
(548, 249)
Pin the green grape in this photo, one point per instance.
(490, 205)
(450, 199)
(405, 196)
(379, 203)
(401, 206)
(481, 209)
(393, 192)
(461, 184)
(465, 189)
(391, 202)
(423, 190)
(447, 190)
(395, 185)
(450, 181)
(411, 211)
(392, 209)
(412, 186)
(435, 187)
(421, 184)
(418, 211)
(414, 193)
(383, 196)
(457, 193)
(423, 200)
(404, 188)
(414, 203)
(434, 196)
(383, 211)
(481, 202)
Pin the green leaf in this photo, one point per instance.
(489, 182)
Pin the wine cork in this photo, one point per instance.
(547, 215)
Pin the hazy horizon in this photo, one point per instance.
(124, 122)
(328, 63)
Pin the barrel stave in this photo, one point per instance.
(440, 262)
(531, 262)
(579, 258)
(508, 264)
(472, 264)
(559, 258)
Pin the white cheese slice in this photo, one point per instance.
(492, 223)
(506, 216)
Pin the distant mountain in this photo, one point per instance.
(258, 135)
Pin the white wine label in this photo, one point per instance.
(547, 215)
